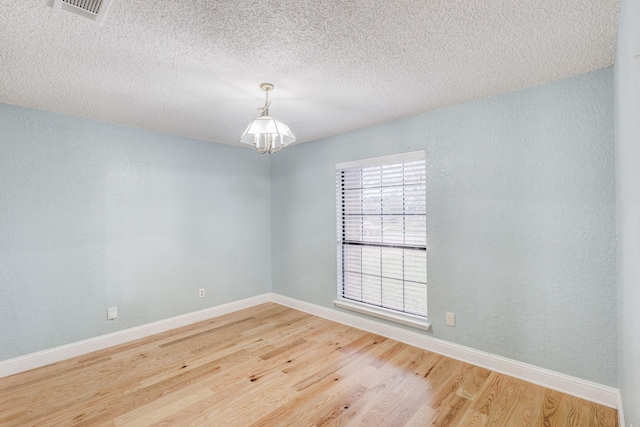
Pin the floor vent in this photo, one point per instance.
(94, 10)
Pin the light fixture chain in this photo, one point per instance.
(264, 111)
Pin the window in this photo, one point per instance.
(382, 238)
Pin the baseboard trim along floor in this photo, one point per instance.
(56, 354)
(588, 390)
(598, 393)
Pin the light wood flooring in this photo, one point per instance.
(274, 366)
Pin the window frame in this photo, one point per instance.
(420, 321)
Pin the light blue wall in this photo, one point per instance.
(520, 228)
(521, 225)
(94, 215)
(627, 109)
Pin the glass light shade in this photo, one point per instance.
(267, 134)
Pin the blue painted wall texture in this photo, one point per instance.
(521, 224)
(94, 215)
(521, 228)
(627, 108)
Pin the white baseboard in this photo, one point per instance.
(620, 411)
(56, 354)
(584, 389)
(588, 390)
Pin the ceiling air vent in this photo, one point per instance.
(95, 10)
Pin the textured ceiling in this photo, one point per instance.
(193, 67)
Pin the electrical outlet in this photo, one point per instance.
(112, 313)
(201, 293)
(451, 319)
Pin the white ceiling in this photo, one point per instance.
(193, 67)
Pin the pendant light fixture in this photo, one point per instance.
(267, 134)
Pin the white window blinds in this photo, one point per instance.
(382, 248)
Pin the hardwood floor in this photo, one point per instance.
(274, 366)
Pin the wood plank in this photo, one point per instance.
(394, 372)
(271, 365)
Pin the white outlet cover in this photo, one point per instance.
(112, 313)
(451, 319)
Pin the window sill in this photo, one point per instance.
(382, 313)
